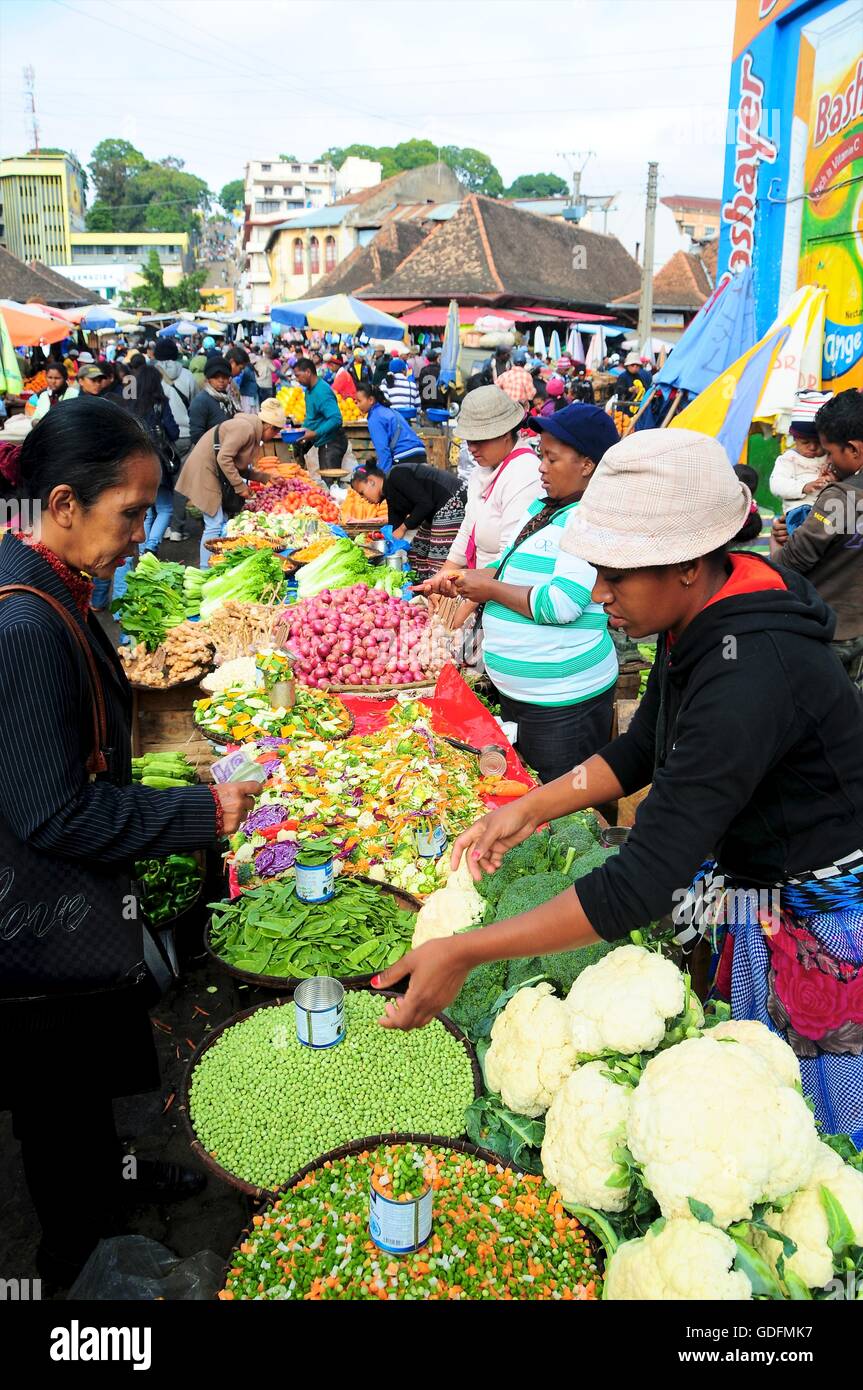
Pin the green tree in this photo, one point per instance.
(474, 169)
(537, 186)
(160, 298)
(232, 195)
(112, 164)
(161, 198)
(289, 159)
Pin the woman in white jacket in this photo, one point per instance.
(58, 389)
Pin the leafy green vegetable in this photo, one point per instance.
(515, 1137)
(270, 931)
(256, 579)
(154, 601)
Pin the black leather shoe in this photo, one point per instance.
(156, 1181)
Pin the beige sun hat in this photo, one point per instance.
(272, 413)
(656, 498)
(487, 413)
(632, 359)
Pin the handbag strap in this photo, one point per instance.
(96, 762)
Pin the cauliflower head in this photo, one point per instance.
(453, 908)
(711, 1121)
(531, 1052)
(622, 1003)
(685, 1260)
(776, 1053)
(804, 1220)
(585, 1123)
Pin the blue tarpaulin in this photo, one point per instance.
(722, 330)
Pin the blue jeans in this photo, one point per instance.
(213, 527)
(155, 525)
(158, 519)
(101, 593)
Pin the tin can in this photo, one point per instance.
(284, 694)
(431, 841)
(317, 884)
(492, 760)
(400, 1227)
(319, 1011)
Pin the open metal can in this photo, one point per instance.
(399, 1227)
(492, 760)
(319, 1011)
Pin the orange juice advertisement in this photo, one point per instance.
(831, 243)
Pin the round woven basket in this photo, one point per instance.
(250, 1189)
(286, 984)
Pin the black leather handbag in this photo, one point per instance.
(65, 926)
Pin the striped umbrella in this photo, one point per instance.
(339, 313)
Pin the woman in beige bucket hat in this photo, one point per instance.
(750, 737)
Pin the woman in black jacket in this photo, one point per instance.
(421, 499)
(750, 737)
(74, 1030)
(212, 405)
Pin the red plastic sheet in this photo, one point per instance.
(456, 713)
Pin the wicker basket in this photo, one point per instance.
(358, 1146)
(250, 1189)
(286, 984)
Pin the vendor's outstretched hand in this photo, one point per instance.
(488, 839)
(436, 975)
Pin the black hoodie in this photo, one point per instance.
(752, 735)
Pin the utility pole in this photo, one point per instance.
(577, 204)
(645, 307)
(30, 98)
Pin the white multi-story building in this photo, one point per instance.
(277, 189)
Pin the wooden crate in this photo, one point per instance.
(361, 444)
(162, 720)
(436, 449)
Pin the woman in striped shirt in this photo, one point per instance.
(546, 646)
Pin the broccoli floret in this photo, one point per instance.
(587, 862)
(573, 832)
(531, 856)
(491, 886)
(530, 891)
(471, 1008)
(560, 968)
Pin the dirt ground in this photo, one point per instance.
(150, 1124)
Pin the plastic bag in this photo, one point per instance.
(135, 1268)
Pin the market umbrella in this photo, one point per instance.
(799, 366)
(721, 332)
(726, 409)
(183, 328)
(71, 316)
(539, 343)
(338, 313)
(11, 380)
(595, 351)
(104, 316)
(29, 326)
(575, 347)
(554, 348)
(451, 345)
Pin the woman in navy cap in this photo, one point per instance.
(546, 644)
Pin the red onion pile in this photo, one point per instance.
(358, 636)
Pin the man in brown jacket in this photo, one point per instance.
(229, 450)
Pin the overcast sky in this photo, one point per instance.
(218, 82)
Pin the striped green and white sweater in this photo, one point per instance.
(564, 653)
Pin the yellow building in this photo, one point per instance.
(109, 263)
(219, 299)
(41, 205)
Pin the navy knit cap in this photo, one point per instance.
(584, 428)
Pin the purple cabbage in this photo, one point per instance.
(275, 859)
(264, 817)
